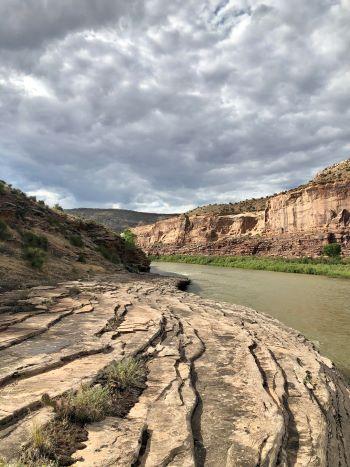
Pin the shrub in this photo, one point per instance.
(2, 187)
(57, 207)
(4, 232)
(39, 449)
(109, 253)
(88, 404)
(30, 239)
(81, 258)
(125, 373)
(332, 249)
(35, 256)
(76, 240)
(129, 238)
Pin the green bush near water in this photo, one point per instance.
(333, 250)
(129, 238)
(332, 267)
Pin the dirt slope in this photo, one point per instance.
(38, 244)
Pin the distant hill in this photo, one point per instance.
(249, 205)
(118, 219)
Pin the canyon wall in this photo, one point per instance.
(294, 223)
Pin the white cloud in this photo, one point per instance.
(161, 106)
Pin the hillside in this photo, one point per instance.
(248, 205)
(118, 219)
(41, 245)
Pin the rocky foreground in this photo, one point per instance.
(225, 385)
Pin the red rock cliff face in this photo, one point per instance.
(310, 209)
(296, 223)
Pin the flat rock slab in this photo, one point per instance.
(226, 386)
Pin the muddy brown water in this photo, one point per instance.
(317, 306)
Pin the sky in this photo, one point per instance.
(162, 106)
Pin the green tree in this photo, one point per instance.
(129, 238)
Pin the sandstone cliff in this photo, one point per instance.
(295, 223)
(38, 244)
(223, 385)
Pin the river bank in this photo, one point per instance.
(317, 306)
(239, 387)
(322, 266)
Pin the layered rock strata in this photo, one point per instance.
(225, 385)
(295, 223)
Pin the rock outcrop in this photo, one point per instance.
(225, 385)
(295, 223)
(41, 245)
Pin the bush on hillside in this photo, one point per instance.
(32, 240)
(129, 238)
(35, 256)
(2, 187)
(4, 231)
(109, 253)
(332, 250)
(76, 240)
(57, 207)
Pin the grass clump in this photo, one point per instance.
(76, 240)
(333, 250)
(35, 256)
(4, 231)
(332, 267)
(39, 450)
(88, 404)
(125, 373)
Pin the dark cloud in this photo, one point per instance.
(159, 105)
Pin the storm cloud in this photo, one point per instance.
(161, 106)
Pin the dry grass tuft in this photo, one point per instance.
(125, 373)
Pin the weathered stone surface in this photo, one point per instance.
(225, 385)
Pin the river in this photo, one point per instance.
(317, 306)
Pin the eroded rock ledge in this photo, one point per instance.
(225, 386)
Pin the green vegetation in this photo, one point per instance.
(2, 191)
(34, 249)
(88, 404)
(109, 253)
(333, 250)
(57, 207)
(76, 240)
(81, 258)
(35, 256)
(4, 231)
(33, 240)
(332, 267)
(125, 373)
(129, 238)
